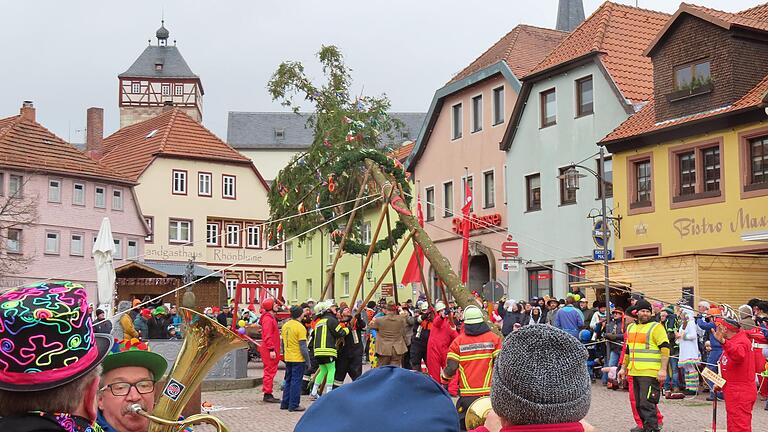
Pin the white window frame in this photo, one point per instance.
(498, 105)
(53, 248)
(81, 194)
(345, 284)
(232, 180)
(118, 249)
(54, 192)
(117, 199)
(477, 126)
(179, 182)
(366, 233)
(135, 87)
(427, 205)
(308, 248)
(72, 242)
(449, 212)
(231, 285)
(103, 202)
(457, 125)
(332, 248)
(253, 232)
(16, 185)
(178, 89)
(205, 184)
(165, 89)
(289, 251)
(485, 189)
(150, 222)
(179, 223)
(132, 251)
(308, 285)
(216, 231)
(295, 290)
(233, 234)
(17, 242)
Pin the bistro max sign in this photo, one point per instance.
(743, 220)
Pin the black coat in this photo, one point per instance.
(158, 327)
(510, 319)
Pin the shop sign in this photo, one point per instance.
(509, 248)
(540, 276)
(699, 227)
(387, 290)
(478, 222)
(599, 254)
(600, 233)
(510, 266)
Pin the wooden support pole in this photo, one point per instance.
(441, 265)
(391, 257)
(421, 274)
(386, 270)
(374, 239)
(347, 230)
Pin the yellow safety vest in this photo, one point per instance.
(644, 354)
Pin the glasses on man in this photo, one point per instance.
(123, 388)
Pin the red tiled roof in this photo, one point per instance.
(401, 153)
(27, 145)
(173, 133)
(522, 49)
(620, 33)
(645, 120)
(755, 18)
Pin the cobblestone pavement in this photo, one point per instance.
(610, 411)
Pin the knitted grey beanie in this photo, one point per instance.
(541, 377)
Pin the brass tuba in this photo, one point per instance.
(205, 341)
(477, 413)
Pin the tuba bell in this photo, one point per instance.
(477, 413)
(205, 342)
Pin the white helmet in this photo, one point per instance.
(439, 306)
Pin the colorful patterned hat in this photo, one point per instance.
(133, 352)
(46, 337)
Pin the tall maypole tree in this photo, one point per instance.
(334, 172)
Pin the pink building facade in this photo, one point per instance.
(69, 195)
(459, 144)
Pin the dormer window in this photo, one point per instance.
(158, 67)
(692, 75)
(279, 134)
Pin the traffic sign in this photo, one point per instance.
(601, 233)
(598, 254)
(509, 248)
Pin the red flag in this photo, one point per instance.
(412, 271)
(262, 294)
(465, 224)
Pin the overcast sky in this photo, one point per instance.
(66, 55)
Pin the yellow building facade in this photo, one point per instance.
(308, 262)
(709, 222)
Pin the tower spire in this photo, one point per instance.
(570, 13)
(162, 34)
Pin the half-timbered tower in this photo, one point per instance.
(159, 77)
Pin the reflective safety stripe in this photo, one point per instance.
(644, 353)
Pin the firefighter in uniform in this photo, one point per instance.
(327, 331)
(350, 359)
(310, 321)
(471, 354)
(646, 360)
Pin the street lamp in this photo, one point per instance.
(571, 179)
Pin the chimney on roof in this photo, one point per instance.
(570, 13)
(94, 132)
(27, 110)
(167, 105)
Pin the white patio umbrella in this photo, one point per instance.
(103, 250)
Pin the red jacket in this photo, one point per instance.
(270, 334)
(737, 362)
(759, 342)
(475, 355)
(441, 335)
(562, 427)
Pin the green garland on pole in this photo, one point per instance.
(351, 161)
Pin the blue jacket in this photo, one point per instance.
(570, 320)
(709, 328)
(105, 426)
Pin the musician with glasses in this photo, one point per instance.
(129, 376)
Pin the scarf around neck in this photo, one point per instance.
(69, 422)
